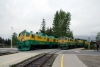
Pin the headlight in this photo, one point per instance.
(22, 39)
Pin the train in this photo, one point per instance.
(68, 43)
(30, 41)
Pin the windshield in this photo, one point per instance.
(27, 35)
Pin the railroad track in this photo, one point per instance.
(38, 61)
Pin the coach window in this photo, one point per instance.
(47, 39)
(27, 35)
(39, 37)
(32, 36)
(65, 38)
(23, 34)
(54, 40)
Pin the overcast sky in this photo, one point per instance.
(28, 14)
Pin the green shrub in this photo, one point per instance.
(92, 46)
(86, 46)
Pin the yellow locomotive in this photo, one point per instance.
(67, 43)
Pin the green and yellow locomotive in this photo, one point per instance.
(67, 43)
(64, 43)
(29, 40)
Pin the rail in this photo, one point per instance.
(38, 61)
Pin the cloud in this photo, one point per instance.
(28, 14)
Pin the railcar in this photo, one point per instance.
(80, 43)
(53, 42)
(64, 43)
(68, 43)
(29, 40)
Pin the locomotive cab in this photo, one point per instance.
(22, 40)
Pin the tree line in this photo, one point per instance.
(60, 26)
(5, 41)
(8, 41)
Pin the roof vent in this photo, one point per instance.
(36, 32)
(31, 31)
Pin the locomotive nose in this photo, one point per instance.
(22, 39)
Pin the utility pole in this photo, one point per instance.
(11, 37)
(88, 42)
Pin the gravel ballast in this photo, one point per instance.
(90, 60)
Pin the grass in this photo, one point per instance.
(6, 46)
(91, 47)
(51, 63)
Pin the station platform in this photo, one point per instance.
(7, 60)
(68, 60)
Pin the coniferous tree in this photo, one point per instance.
(6, 41)
(9, 41)
(56, 25)
(43, 26)
(49, 32)
(71, 35)
(0, 40)
(61, 23)
(14, 38)
(3, 41)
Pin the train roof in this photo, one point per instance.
(37, 33)
(25, 32)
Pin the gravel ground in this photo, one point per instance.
(90, 60)
(6, 53)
